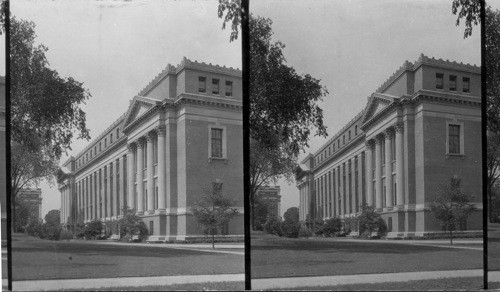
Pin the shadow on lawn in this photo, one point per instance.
(341, 247)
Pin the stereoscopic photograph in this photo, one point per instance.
(126, 146)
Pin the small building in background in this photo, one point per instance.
(33, 199)
(272, 198)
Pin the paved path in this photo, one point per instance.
(51, 285)
(297, 282)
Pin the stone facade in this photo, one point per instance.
(271, 197)
(181, 133)
(33, 199)
(420, 129)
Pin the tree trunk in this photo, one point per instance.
(451, 236)
(490, 205)
(213, 240)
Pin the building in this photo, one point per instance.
(270, 196)
(3, 161)
(33, 199)
(181, 133)
(419, 130)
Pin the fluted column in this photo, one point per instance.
(342, 190)
(378, 173)
(161, 169)
(399, 166)
(131, 175)
(150, 173)
(103, 193)
(347, 188)
(85, 200)
(114, 194)
(140, 169)
(388, 169)
(369, 172)
(121, 193)
(361, 158)
(353, 185)
(91, 199)
(96, 200)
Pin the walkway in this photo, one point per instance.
(53, 285)
(297, 282)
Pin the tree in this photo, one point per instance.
(292, 215)
(468, 9)
(261, 213)
(45, 109)
(232, 10)
(493, 165)
(267, 165)
(21, 215)
(451, 207)
(131, 225)
(53, 217)
(213, 210)
(283, 109)
(93, 229)
(369, 220)
(332, 226)
(492, 64)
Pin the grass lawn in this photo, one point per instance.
(283, 257)
(230, 286)
(448, 284)
(36, 259)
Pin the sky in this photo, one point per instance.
(116, 47)
(354, 46)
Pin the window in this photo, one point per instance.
(355, 130)
(454, 139)
(349, 135)
(111, 138)
(155, 150)
(466, 84)
(117, 133)
(99, 146)
(229, 88)
(202, 84)
(105, 142)
(215, 86)
(453, 83)
(343, 140)
(216, 143)
(382, 149)
(439, 81)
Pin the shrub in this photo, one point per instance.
(381, 227)
(273, 226)
(332, 226)
(79, 230)
(65, 235)
(305, 231)
(51, 232)
(290, 229)
(131, 224)
(93, 229)
(34, 228)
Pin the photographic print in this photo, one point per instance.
(380, 106)
(126, 145)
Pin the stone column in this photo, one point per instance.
(342, 190)
(361, 158)
(347, 188)
(353, 185)
(91, 199)
(369, 172)
(108, 190)
(140, 169)
(96, 200)
(378, 173)
(103, 199)
(130, 175)
(162, 195)
(116, 182)
(150, 173)
(85, 200)
(399, 166)
(388, 169)
(121, 194)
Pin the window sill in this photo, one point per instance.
(461, 155)
(217, 158)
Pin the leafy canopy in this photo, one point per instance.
(232, 10)
(492, 58)
(53, 217)
(44, 106)
(468, 9)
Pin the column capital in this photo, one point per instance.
(379, 139)
(150, 136)
(399, 127)
(131, 147)
(140, 143)
(370, 144)
(388, 133)
(161, 131)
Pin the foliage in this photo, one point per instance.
(282, 103)
(65, 235)
(34, 227)
(232, 8)
(21, 215)
(93, 229)
(79, 230)
(213, 210)
(290, 229)
(305, 231)
(492, 64)
(131, 224)
(50, 231)
(292, 215)
(350, 224)
(451, 207)
(53, 217)
(468, 9)
(493, 166)
(283, 109)
(261, 213)
(267, 165)
(370, 221)
(332, 227)
(273, 226)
